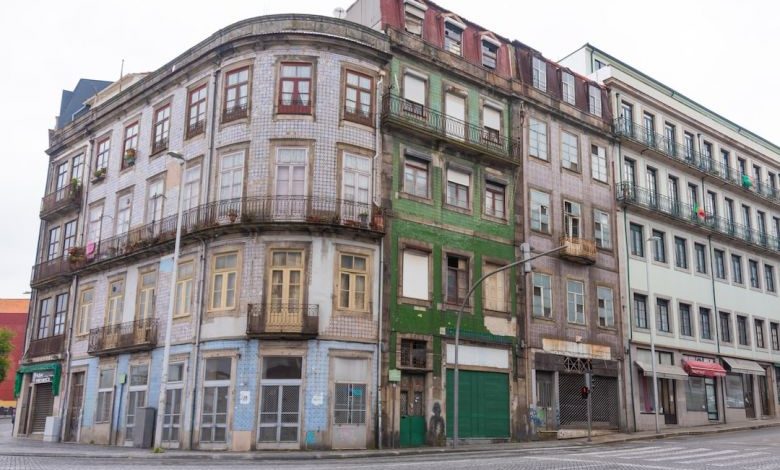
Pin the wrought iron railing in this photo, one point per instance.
(67, 197)
(282, 319)
(159, 145)
(355, 113)
(295, 106)
(632, 194)
(135, 335)
(196, 128)
(696, 160)
(238, 111)
(578, 249)
(51, 269)
(46, 346)
(454, 130)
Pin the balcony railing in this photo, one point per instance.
(195, 128)
(236, 112)
(295, 106)
(59, 267)
(454, 131)
(263, 320)
(695, 216)
(139, 335)
(159, 145)
(46, 346)
(693, 159)
(578, 250)
(357, 114)
(62, 200)
(282, 210)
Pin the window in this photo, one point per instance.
(131, 144)
(761, 221)
(286, 286)
(491, 124)
(173, 398)
(688, 145)
(686, 326)
(597, 64)
(105, 398)
(567, 87)
(540, 211)
(414, 96)
(627, 118)
(695, 394)
(742, 331)
(539, 73)
(358, 98)
(414, 353)
(704, 323)
(598, 163)
(736, 268)
(652, 185)
(182, 305)
(223, 281)
(640, 310)
(495, 199)
(769, 278)
(69, 237)
(489, 54)
(44, 313)
(572, 221)
(455, 115)
(659, 246)
(669, 139)
(542, 295)
(496, 289)
(155, 198)
(775, 336)
(116, 299)
(413, 17)
(85, 311)
(353, 283)
(680, 253)
(537, 136)
(350, 404)
(637, 240)
(701, 258)
(415, 275)
(759, 327)
(95, 224)
(458, 183)
(453, 37)
(290, 173)
(725, 327)
(77, 168)
(569, 151)
(231, 176)
(416, 176)
(662, 318)
(601, 228)
(755, 276)
(606, 307)
(746, 220)
(629, 170)
(136, 396)
(295, 88)
(575, 302)
(236, 104)
(196, 111)
(720, 264)
(191, 187)
(726, 162)
(673, 186)
(53, 250)
(693, 196)
(594, 100)
(124, 208)
(649, 134)
(162, 128)
(457, 279)
(711, 204)
(60, 311)
(735, 393)
(356, 183)
(103, 152)
(214, 410)
(146, 295)
(729, 207)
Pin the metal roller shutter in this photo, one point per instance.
(43, 406)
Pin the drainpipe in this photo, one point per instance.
(378, 197)
(717, 322)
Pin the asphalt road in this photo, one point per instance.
(755, 450)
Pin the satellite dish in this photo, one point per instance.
(339, 12)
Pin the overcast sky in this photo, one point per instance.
(722, 54)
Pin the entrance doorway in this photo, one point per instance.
(711, 397)
(74, 410)
(666, 390)
(763, 394)
(747, 387)
(280, 403)
(350, 404)
(412, 409)
(545, 400)
(42, 407)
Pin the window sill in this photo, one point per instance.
(540, 160)
(454, 308)
(544, 319)
(572, 171)
(361, 123)
(232, 122)
(351, 313)
(412, 197)
(494, 219)
(415, 302)
(496, 313)
(458, 209)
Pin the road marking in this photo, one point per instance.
(629, 465)
(725, 457)
(770, 458)
(629, 450)
(678, 455)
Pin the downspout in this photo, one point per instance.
(717, 321)
(378, 197)
(201, 287)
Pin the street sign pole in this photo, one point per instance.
(588, 383)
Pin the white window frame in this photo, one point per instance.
(145, 299)
(221, 277)
(606, 306)
(576, 299)
(542, 209)
(85, 310)
(231, 176)
(598, 158)
(415, 285)
(594, 100)
(457, 181)
(602, 229)
(537, 139)
(105, 396)
(191, 187)
(124, 212)
(184, 289)
(568, 88)
(352, 274)
(116, 300)
(541, 295)
(155, 199)
(539, 73)
(570, 151)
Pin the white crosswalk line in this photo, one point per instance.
(768, 459)
(707, 460)
(632, 450)
(685, 454)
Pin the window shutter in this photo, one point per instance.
(491, 117)
(414, 89)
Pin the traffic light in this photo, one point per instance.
(584, 391)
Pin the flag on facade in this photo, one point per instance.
(746, 182)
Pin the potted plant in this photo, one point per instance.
(76, 254)
(130, 157)
(363, 218)
(378, 219)
(232, 215)
(98, 175)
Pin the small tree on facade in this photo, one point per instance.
(5, 351)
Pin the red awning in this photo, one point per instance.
(704, 369)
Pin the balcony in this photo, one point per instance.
(461, 135)
(57, 269)
(61, 201)
(578, 250)
(282, 321)
(235, 112)
(705, 164)
(139, 335)
(636, 196)
(46, 346)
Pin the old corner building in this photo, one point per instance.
(345, 182)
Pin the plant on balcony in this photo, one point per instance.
(99, 175)
(232, 215)
(76, 254)
(130, 157)
(377, 219)
(75, 184)
(247, 218)
(363, 218)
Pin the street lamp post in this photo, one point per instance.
(171, 300)
(456, 382)
(657, 240)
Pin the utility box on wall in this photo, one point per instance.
(51, 432)
(143, 434)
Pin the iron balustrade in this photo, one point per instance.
(282, 319)
(196, 128)
(356, 114)
(578, 249)
(46, 346)
(693, 159)
(67, 197)
(454, 130)
(129, 336)
(295, 106)
(51, 269)
(238, 111)
(642, 197)
(159, 145)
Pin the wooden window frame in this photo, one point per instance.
(225, 275)
(146, 295)
(356, 114)
(180, 309)
(130, 142)
(102, 155)
(295, 108)
(115, 302)
(198, 125)
(236, 111)
(161, 128)
(85, 311)
(353, 274)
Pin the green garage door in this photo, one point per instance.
(484, 404)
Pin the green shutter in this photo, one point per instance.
(484, 404)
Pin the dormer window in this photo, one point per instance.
(489, 52)
(539, 74)
(453, 36)
(567, 88)
(594, 98)
(414, 14)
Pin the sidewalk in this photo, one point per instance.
(29, 447)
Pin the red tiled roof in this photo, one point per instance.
(14, 305)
